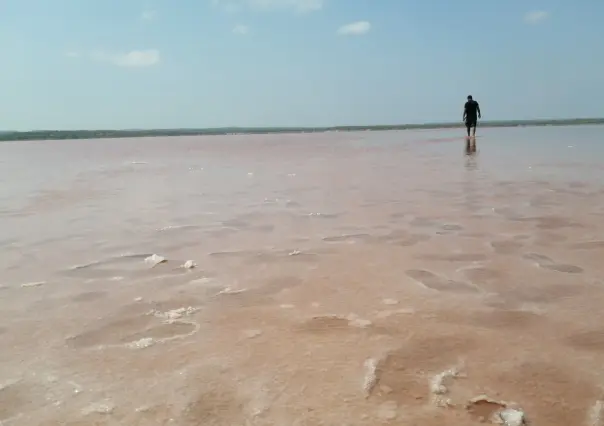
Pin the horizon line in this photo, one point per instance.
(435, 124)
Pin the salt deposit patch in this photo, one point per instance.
(178, 228)
(439, 385)
(103, 407)
(189, 264)
(143, 343)
(155, 260)
(33, 284)
(512, 417)
(138, 332)
(595, 416)
(230, 290)
(370, 377)
(486, 409)
(175, 314)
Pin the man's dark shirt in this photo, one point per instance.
(471, 109)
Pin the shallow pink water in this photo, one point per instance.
(314, 253)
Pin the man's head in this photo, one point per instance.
(469, 97)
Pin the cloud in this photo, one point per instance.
(355, 28)
(536, 16)
(298, 6)
(132, 59)
(241, 30)
(72, 54)
(149, 15)
(228, 6)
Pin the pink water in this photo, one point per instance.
(314, 254)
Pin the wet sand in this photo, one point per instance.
(341, 279)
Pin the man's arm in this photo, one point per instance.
(478, 110)
(465, 112)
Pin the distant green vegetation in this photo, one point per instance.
(98, 134)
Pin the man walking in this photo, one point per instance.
(471, 114)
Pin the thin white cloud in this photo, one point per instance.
(299, 6)
(132, 59)
(355, 28)
(228, 6)
(241, 29)
(72, 54)
(536, 16)
(149, 15)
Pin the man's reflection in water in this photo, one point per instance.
(471, 152)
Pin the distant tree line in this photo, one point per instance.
(101, 134)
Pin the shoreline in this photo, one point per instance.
(40, 135)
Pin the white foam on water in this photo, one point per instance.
(143, 343)
(390, 302)
(174, 227)
(33, 284)
(175, 314)
(229, 290)
(294, 253)
(146, 342)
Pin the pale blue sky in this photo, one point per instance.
(82, 64)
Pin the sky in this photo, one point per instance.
(116, 64)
